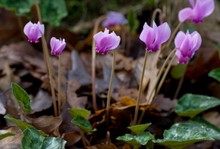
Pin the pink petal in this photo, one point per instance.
(27, 28)
(185, 14)
(147, 35)
(179, 39)
(181, 58)
(208, 7)
(196, 40)
(163, 33)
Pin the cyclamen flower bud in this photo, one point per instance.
(34, 31)
(154, 36)
(106, 41)
(57, 46)
(186, 45)
(198, 11)
(114, 18)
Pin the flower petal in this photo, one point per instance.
(207, 7)
(196, 40)
(147, 35)
(163, 33)
(179, 39)
(185, 14)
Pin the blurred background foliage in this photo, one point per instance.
(73, 11)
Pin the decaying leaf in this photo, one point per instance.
(12, 142)
(46, 123)
(41, 102)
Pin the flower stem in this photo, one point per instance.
(47, 59)
(110, 86)
(94, 103)
(158, 78)
(164, 76)
(59, 85)
(50, 72)
(155, 13)
(159, 74)
(140, 90)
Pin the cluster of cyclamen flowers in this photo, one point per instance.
(34, 31)
(186, 44)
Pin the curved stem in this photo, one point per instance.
(110, 86)
(160, 73)
(59, 84)
(158, 78)
(47, 59)
(164, 75)
(140, 90)
(94, 103)
(155, 13)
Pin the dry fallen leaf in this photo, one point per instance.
(46, 123)
(212, 117)
(42, 101)
(12, 142)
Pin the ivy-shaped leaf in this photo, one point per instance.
(191, 105)
(22, 97)
(21, 7)
(22, 125)
(137, 129)
(74, 112)
(33, 139)
(215, 73)
(181, 135)
(83, 124)
(53, 11)
(136, 140)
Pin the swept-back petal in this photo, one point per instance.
(163, 33)
(179, 39)
(185, 14)
(196, 41)
(147, 35)
(207, 7)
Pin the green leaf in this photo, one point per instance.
(83, 124)
(4, 135)
(215, 73)
(22, 97)
(181, 135)
(33, 139)
(178, 71)
(136, 140)
(21, 7)
(132, 20)
(79, 112)
(137, 129)
(22, 125)
(190, 105)
(53, 11)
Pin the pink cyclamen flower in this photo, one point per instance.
(154, 36)
(198, 10)
(57, 46)
(114, 18)
(186, 45)
(34, 31)
(106, 41)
